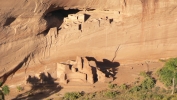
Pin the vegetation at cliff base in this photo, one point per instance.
(4, 91)
(72, 95)
(168, 74)
(146, 89)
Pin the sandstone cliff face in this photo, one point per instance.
(32, 33)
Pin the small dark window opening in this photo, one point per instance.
(110, 21)
(70, 67)
(80, 27)
(76, 69)
(119, 12)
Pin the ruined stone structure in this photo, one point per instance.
(34, 33)
(81, 71)
(75, 21)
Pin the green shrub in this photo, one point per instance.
(148, 83)
(5, 89)
(168, 72)
(20, 88)
(157, 89)
(135, 89)
(169, 97)
(157, 97)
(110, 94)
(168, 91)
(174, 98)
(88, 96)
(142, 96)
(163, 91)
(112, 86)
(123, 87)
(72, 96)
(92, 95)
(144, 74)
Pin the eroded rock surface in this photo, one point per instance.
(33, 32)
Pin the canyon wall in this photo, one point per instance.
(32, 33)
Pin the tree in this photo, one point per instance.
(4, 90)
(168, 74)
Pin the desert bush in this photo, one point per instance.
(168, 91)
(92, 95)
(110, 94)
(148, 83)
(123, 87)
(169, 97)
(163, 91)
(88, 96)
(158, 96)
(20, 88)
(112, 86)
(142, 96)
(5, 90)
(144, 74)
(135, 89)
(157, 89)
(174, 98)
(72, 96)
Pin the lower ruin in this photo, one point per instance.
(81, 70)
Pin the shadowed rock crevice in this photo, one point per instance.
(115, 54)
(9, 21)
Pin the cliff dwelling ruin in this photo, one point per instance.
(80, 70)
(89, 42)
